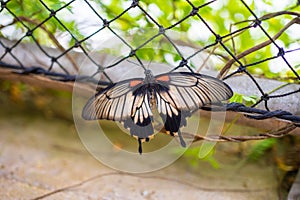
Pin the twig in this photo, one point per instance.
(172, 180)
(75, 185)
(270, 15)
(52, 37)
(222, 138)
(228, 65)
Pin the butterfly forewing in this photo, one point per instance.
(190, 91)
(216, 86)
(112, 102)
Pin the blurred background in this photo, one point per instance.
(45, 46)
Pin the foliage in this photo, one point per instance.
(169, 12)
(191, 31)
(259, 149)
(246, 100)
(30, 17)
(192, 155)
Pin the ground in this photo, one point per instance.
(42, 157)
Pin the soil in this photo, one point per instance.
(43, 158)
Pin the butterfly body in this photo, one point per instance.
(173, 95)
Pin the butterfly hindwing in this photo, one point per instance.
(140, 121)
(172, 117)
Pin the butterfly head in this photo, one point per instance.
(148, 76)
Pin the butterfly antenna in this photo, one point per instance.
(133, 63)
(149, 63)
(140, 64)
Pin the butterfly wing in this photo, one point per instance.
(190, 91)
(172, 117)
(140, 122)
(114, 102)
(126, 102)
(179, 94)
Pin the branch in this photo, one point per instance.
(270, 15)
(281, 132)
(222, 138)
(228, 65)
(51, 36)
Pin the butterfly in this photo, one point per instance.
(173, 95)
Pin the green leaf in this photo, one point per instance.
(240, 98)
(260, 149)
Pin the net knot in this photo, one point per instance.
(132, 53)
(29, 33)
(256, 23)
(52, 13)
(77, 44)
(265, 97)
(7, 49)
(3, 4)
(161, 30)
(218, 38)
(105, 23)
(182, 63)
(241, 69)
(194, 11)
(281, 52)
(53, 59)
(134, 3)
